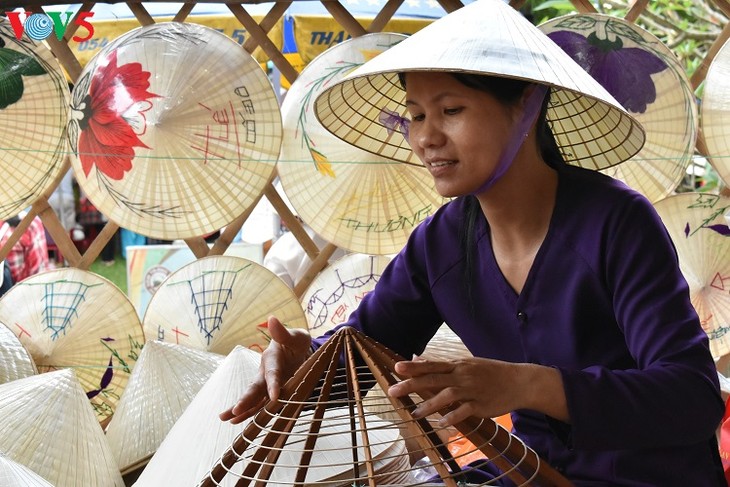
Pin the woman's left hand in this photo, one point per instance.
(481, 387)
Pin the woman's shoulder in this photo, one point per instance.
(597, 192)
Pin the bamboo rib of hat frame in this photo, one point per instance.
(317, 386)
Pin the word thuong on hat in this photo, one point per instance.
(175, 130)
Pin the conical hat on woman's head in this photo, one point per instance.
(175, 130)
(367, 108)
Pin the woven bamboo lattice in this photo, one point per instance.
(257, 38)
(294, 440)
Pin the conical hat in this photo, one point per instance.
(163, 382)
(15, 361)
(338, 289)
(287, 434)
(715, 112)
(49, 426)
(34, 100)
(199, 437)
(696, 222)
(357, 200)
(175, 130)
(73, 318)
(645, 76)
(485, 37)
(218, 302)
(13, 474)
(445, 345)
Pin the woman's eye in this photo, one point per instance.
(417, 117)
(452, 111)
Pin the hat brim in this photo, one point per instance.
(591, 128)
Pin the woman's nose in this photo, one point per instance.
(428, 134)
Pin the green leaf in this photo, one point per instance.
(13, 65)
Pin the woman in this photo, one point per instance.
(562, 282)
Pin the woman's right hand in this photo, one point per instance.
(288, 349)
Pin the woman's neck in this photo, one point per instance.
(520, 206)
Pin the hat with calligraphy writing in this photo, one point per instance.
(218, 302)
(34, 99)
(338, 289)
(644, 75)
(487, 37)
(360, 201)
(175, 130)
(696, 222)
(70, 318)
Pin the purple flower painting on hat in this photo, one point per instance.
(625, 72)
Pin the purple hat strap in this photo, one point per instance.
(533, 103)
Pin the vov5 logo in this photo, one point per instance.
(38, 26)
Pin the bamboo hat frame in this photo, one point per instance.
(321, 383)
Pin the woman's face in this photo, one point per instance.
(458, 132)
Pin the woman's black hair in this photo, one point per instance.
(509, 91)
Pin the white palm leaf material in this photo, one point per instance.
(77, 319)
(13, 474)
(15, 361)
(49, 426)
(174, 130)
(357, 200)
(698, 226)
(34, 100)
(322, 431)
(199, 437)
(338, 289)
(646, 77)
(715, 112)
(164, 381)
(445, 345)
(218, 302)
